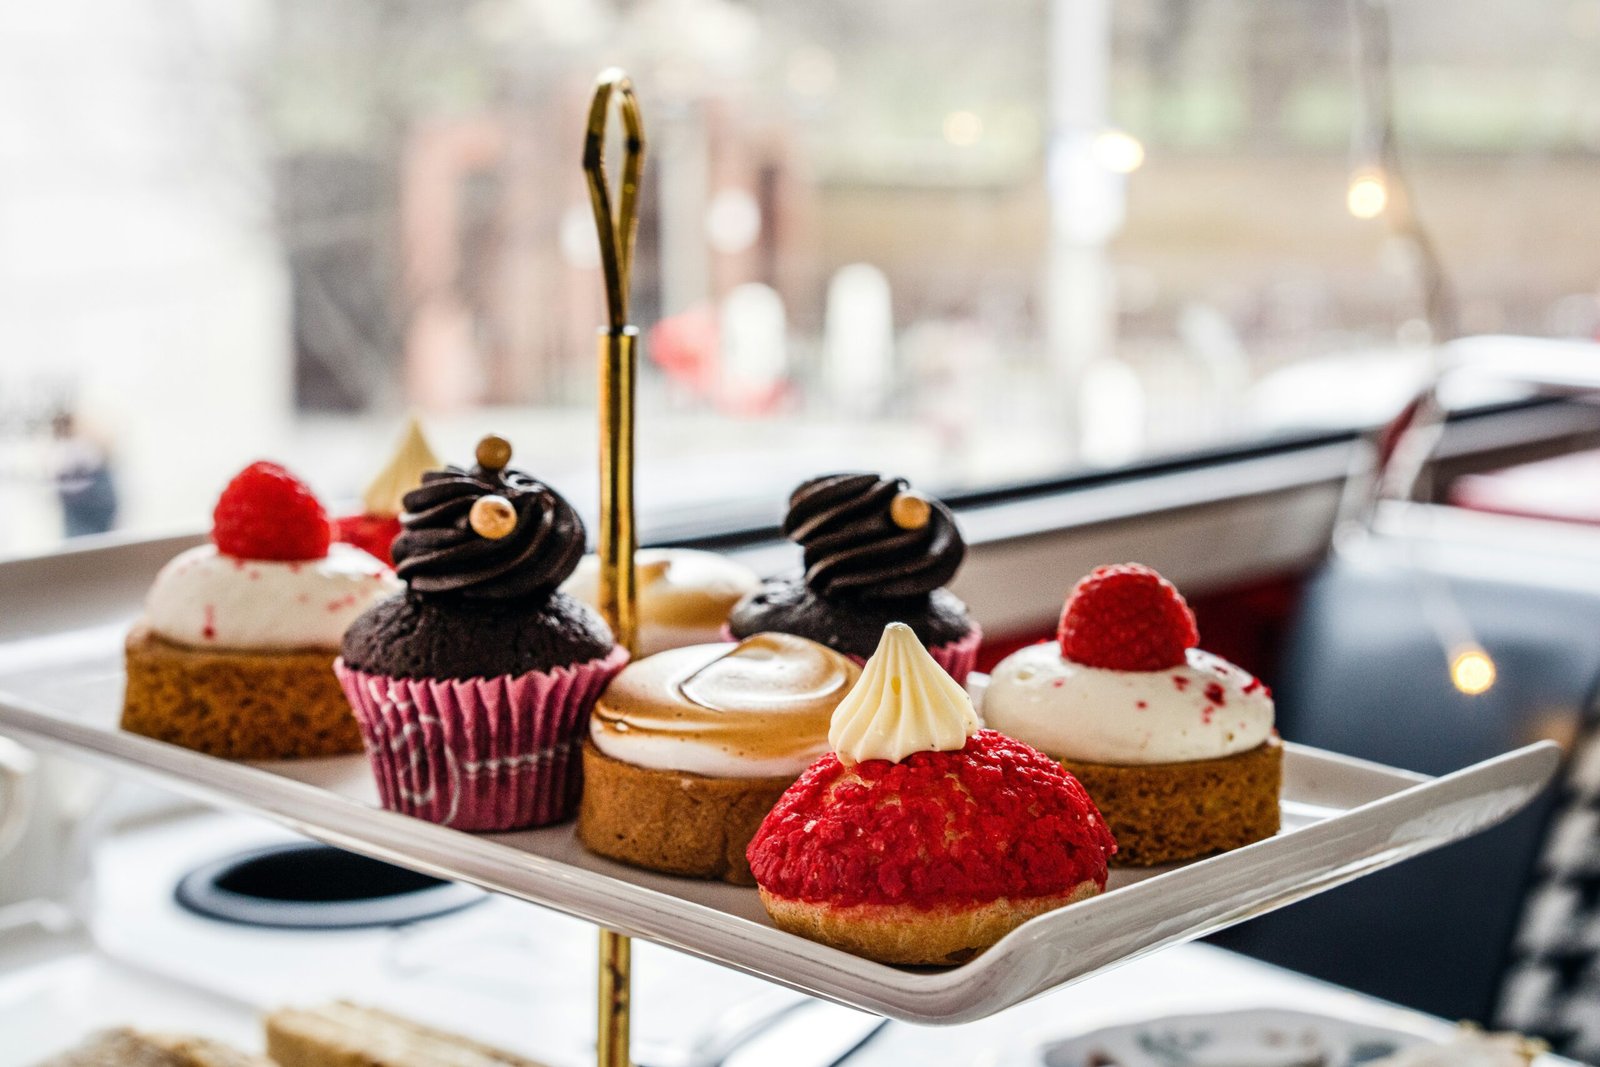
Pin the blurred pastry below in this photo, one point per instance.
(340, 1034)
(1470, 1047)
(684, 594)
(350, 1035)
(130, 1048)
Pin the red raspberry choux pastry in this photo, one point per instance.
(922, 838)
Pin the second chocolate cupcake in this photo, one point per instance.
(876, 552)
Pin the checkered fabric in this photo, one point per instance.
(1552, 987)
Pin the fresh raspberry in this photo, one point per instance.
(373, 534)
(1127, 618)
(268, 513)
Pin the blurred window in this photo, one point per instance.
(973, 243)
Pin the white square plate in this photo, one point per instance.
(1342, 818)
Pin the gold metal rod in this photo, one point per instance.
(616, 974)
(619, 597)
(618, 539)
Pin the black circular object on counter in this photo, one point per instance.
(317, 887)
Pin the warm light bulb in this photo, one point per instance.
(1118, 152)
(962, 128)
(1472, 671)
(1368, 194)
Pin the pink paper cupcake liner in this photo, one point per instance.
(956, 657)
(959, 657)
(481, 754)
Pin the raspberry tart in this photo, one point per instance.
(1176, 745)
(922, 839)
(376, 526)
(876, 551)
(234, 653)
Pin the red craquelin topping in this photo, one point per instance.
(268, 513)
(1127, 618)
(996, 819)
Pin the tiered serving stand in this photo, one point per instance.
(61, 689)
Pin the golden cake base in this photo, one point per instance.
(1164, 812)
(240, 705)
(672, 821)
(912, 936)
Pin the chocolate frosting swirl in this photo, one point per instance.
(439, 554)
(855, 550)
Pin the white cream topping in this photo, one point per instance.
(1205, 709)
(205, 599)
(903, 703)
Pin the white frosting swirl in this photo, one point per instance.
(1205, 709)
(903, 703)
(205, 599)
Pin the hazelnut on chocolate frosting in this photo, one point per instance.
(868, 537)
(442, 551)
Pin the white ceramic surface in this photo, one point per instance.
(1342, 818)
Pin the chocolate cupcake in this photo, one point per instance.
(875, 552)
(473, 687)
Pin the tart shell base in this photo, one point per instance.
(672, 821)
(240, 705)
(1164, 812)
(905, 934)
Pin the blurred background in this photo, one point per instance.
(978, 244)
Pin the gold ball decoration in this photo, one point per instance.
(494, 452)
(492, 517)
(910, 510)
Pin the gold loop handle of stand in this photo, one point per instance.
(617, 535)
(618, 348)
(616, 232)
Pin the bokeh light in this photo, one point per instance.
(1472, 671)
(962, 128)
(1118, 151)
(1368, 194)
